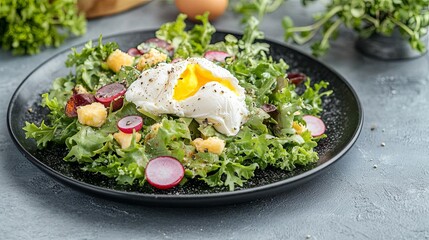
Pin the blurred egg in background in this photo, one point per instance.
(192, 8)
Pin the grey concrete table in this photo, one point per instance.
(373, 192)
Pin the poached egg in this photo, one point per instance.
(194, 88)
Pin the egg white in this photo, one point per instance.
(215, 103)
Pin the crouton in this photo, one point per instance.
(212, 144)
(94, 114)
(124, 139)
(150, 59)
(117, 59)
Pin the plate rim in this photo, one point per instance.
(150, 197)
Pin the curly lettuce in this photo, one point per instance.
(264, 140)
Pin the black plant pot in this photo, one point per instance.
(394, 47)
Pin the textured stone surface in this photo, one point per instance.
(352, 200)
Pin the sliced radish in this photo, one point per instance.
(134, 52)
(111, 94)
(315, 125)
(296, 78)
(130, 123)
(77, 100)
(164, 172)
(216, 56)
(161, 44)
(268, 108)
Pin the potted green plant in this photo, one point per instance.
(388, 29)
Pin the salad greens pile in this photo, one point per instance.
(264, 140)
(27, 26)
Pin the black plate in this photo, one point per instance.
(342, 115)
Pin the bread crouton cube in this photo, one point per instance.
(117, 59)
(94, 114)
(150, 59)
(124, 139)
(212, 144)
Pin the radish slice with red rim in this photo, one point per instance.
(296, 78)
(77, 100)
(161, 44)
(164, 172)
(111, 94)
(315, 125)
(134, 52)
(216, 56)
(130, 123)
(268, 108)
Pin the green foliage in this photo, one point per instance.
(86, 144)
(312, 96)
(170, 139)
(366, 17)
(231, 174)
(28, 25)
(187, 43)
(42, 134)
(60, 128)
(91, 71)
(256, 7)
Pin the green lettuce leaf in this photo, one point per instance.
(174, 32)
(86, 144)
(91, 71)
(233, 173)
(133, 162)
(42, 134)
(60, 127)
(312, 96)
(169, 139)
(201, 164)
(62, 89)
(187, 43)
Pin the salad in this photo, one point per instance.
(179, 107)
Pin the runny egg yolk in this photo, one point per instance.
(193, 78)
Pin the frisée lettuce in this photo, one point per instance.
(276, 139)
